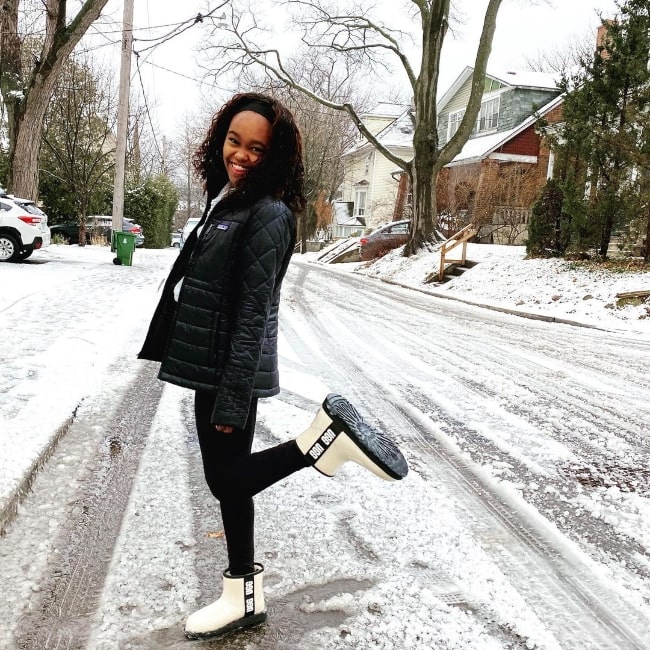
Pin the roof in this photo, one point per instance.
(476, 149)
(399, 133)
(385, 109)
(525, 79)
(512, 78)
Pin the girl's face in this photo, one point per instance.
(247, 140)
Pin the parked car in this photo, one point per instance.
(128, 225)
(23, 228)
(102, 226)
(189, 226)
(384, 239)
(98, 230)
(68, 231)
(176, 239)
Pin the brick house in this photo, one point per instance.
(495, 179)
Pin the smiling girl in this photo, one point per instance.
(215, 331)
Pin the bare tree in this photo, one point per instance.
(27, 91)
(326, 132)
(358, 36)
(145, 154)
(565, 60)
(190, 133)
(79, 146)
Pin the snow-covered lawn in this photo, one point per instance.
(503, 277)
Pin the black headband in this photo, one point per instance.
(259, 107)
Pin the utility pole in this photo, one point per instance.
(123, 114)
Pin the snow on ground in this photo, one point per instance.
(69, 318)
(504, 278)
(64, 321)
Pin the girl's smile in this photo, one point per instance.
(247, 140)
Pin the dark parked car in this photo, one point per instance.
(98, 228)
(69, 232)
(383, 240)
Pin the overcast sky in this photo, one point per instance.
(171, 76)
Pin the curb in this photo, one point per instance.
(10, 508)
(446, 296)
(503, 310)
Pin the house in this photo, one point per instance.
(495, 179)
(492, 182)
(371, 181)
(344, 223)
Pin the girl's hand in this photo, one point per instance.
(224, 428)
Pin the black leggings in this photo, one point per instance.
(234, 475)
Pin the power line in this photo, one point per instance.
(184, 76)
(179, 29)
(146, 108)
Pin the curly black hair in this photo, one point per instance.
(280, 173)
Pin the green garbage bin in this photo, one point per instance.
(124, 245)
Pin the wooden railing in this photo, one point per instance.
(459, 239)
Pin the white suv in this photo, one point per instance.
(189, 226)
(23, 228)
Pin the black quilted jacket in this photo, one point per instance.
(222, 334)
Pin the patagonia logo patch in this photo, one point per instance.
(223, 226)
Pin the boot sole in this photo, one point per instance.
(375, 445)
(240, 624)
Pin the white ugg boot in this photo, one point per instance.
(339, 434)
(241, 605)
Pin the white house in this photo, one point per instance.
(370, 180)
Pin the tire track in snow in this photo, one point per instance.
(60, 614)
(600, 419)
(559, 585)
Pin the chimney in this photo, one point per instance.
(601, 38)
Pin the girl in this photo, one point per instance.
(215, 331)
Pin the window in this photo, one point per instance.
(360, 194)
(491, 85)
(488, 117)
(454, 122)
(399, 229)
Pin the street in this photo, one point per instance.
(523, 523)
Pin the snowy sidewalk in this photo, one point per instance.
(69, 315)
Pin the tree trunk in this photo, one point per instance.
(424, 222)
(27, 96)
(425, 137)
(646, 249)
(428, 157)
(24, 155)
(606, 235)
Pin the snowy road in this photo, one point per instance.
(524, 523)
(514, 414)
